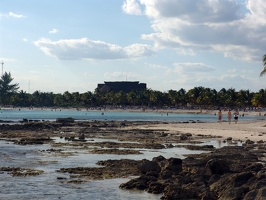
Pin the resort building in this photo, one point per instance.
(124, 86)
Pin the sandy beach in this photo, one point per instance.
(243, 130)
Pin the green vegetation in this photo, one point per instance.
(196, 97)
(7, 90)
(199, 97)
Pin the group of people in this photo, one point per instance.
(229, 116)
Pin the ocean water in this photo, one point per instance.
(17, 115)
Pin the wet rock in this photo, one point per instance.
(155, 187)
(115, 151)
(176, 192)
(32, 141)
(172, 164)
(146, 166)
(183, 137)
(111, 169)
(65, 120)
(17, 171)
(217, 166)
(249, 141)
(226, 173)
(158, 159)
(140, 183)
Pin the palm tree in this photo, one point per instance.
(264, 64)
(7, 88)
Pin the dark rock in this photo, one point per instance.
(217, 166)
(166, 174)
(158, 159)
(82, 136)
(155, 188)
(214, 178)
(254, 167)
(242, 178)
(249, 141)
(140, 183)
(65, 120)
(183, 137)
(146, 166)
(173, 164)
(172, 192)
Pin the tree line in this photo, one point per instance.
(200, 97)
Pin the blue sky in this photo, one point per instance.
(62, 45)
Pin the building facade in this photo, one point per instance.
(124, 86)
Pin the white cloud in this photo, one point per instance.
(78, 49)
(189, 81)
(53, 31)
(123, 76)
(131, 7)
(11, 14)
(156, 66)
(233, 28)
(191, 68)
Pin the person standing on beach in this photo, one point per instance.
(229, 116)
(220, 116)
(236, 113)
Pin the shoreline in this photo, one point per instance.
(262, 112)
(242, 131)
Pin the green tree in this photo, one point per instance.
(264, 64)
(244, 98)
(259, 99)
(7, 89)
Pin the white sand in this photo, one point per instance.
(243, 130)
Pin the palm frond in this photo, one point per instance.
(264, 60)
(263, 71)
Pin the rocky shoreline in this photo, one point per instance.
(231, 172)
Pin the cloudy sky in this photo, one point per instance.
(66, 45)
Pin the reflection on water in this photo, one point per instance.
(54, 185)
(63, 140)
(222, 143)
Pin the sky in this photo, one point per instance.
(66, 45)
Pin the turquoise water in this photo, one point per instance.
(17, 115)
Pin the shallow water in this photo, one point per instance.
(17, 115)
(48, 186)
